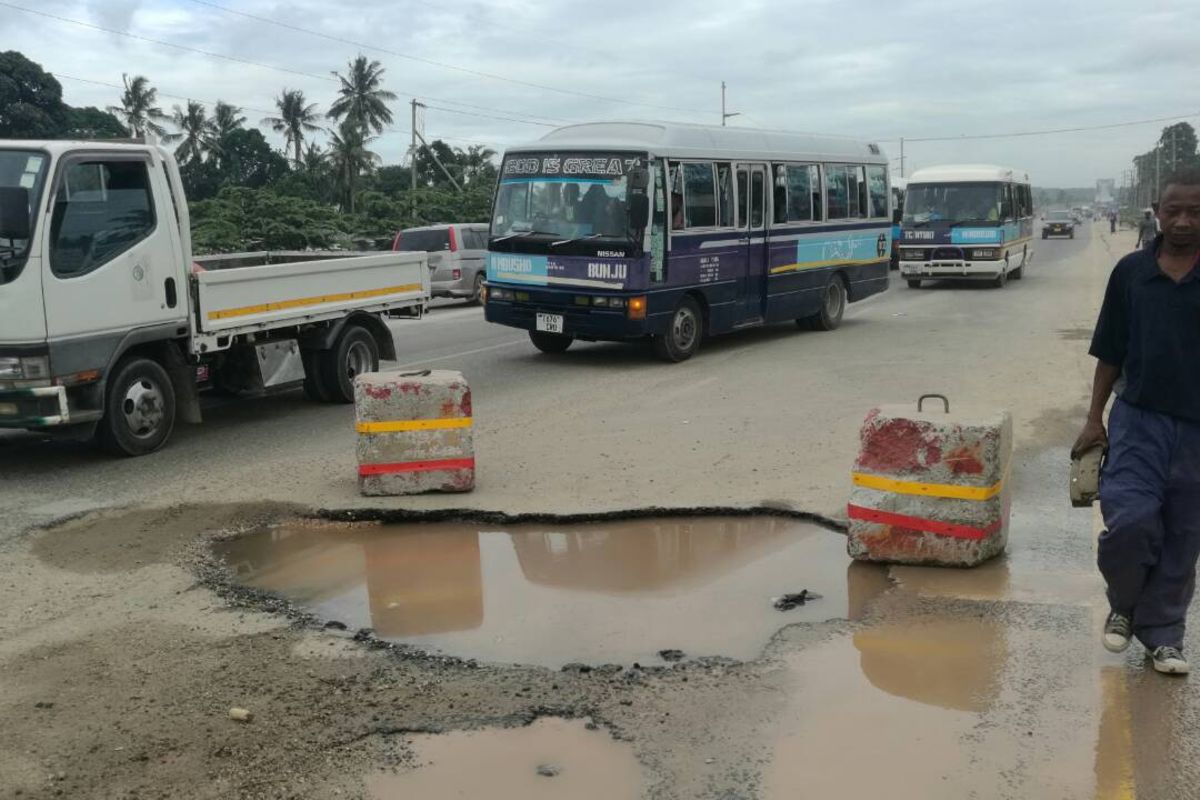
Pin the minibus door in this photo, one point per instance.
(752, 221)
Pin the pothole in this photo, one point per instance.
(619, 591)
(551, 758)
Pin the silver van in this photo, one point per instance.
(456, 256)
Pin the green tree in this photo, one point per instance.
(477, 164)
(31, 105)
(138, 110)
(1178, 147)
(362, 102)
(196, 130)
(92, 123)
(226, 120)
(350, 160)
(296, 118)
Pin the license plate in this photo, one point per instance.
(550, 323)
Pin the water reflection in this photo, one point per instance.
(612, 591)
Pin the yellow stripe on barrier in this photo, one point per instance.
(396, 426)
(947, 490)
(282, 305)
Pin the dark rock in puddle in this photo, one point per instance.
(576, 668)
(334, 625)
(671, 655)
(364, 634)
(548, 770)
(609, 669)
(789, 601)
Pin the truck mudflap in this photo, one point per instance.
(38, 407)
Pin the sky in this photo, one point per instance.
(502, 72)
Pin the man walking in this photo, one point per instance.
(1148, 336)
(1147, 230)
(1112, 221)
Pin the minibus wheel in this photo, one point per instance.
(681, 340)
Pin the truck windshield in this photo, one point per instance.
(563, 195)
(952, 202)
(22, 173)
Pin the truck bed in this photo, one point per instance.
(245, 299)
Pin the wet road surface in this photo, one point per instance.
(901, 682)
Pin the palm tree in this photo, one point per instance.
(294, 120)
(349, 159)
(138, 110)
(225, 120)
(361, 101)
(196, 130)
(475, 160)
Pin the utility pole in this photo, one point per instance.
(902, 157)
(412, 159)
(726, 114)
(1157, 172)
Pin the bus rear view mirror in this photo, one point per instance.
(639, 179)
(639, 210)
(897, 215)
(14, 212)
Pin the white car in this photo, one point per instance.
(457, 256)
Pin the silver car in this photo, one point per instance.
(457, 254)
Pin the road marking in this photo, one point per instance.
(393, 426)
(949, 490)
(461, 354)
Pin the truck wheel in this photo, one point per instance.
(682, 339)
(832, 308)
(550, 342)
(139, 410)
(1000, 280)
(314, 387)
(354, 353)
(914, 283)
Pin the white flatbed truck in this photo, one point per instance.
(109, 328)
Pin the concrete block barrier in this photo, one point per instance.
(414, 433)
(931, 487)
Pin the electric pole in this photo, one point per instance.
(901, 156)
(726, 114)
(412, 159)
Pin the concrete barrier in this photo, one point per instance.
(414, 433)
(931, 487)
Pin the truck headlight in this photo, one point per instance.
(24, 368)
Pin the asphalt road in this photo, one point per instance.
(985, 683)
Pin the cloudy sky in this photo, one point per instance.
(499, 72)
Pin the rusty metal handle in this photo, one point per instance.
(921, 400)
(418, 374)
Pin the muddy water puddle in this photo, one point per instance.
(551, 758)
(602, 592)
(952, 706)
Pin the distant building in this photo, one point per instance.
(1106, 190)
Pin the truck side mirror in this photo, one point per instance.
(14, 212)
(639, 211)
(897, 215)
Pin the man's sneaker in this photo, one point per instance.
(1117, 631)
(1169, 661)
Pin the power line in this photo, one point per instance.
(488, 116)
(441, 64)
(234, 59)
(118, 86)
(1019, 134)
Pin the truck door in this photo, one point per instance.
(752, 220)
(112, 262)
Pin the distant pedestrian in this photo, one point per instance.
(1112, 221)
(1147, 230)
(1148, 336)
